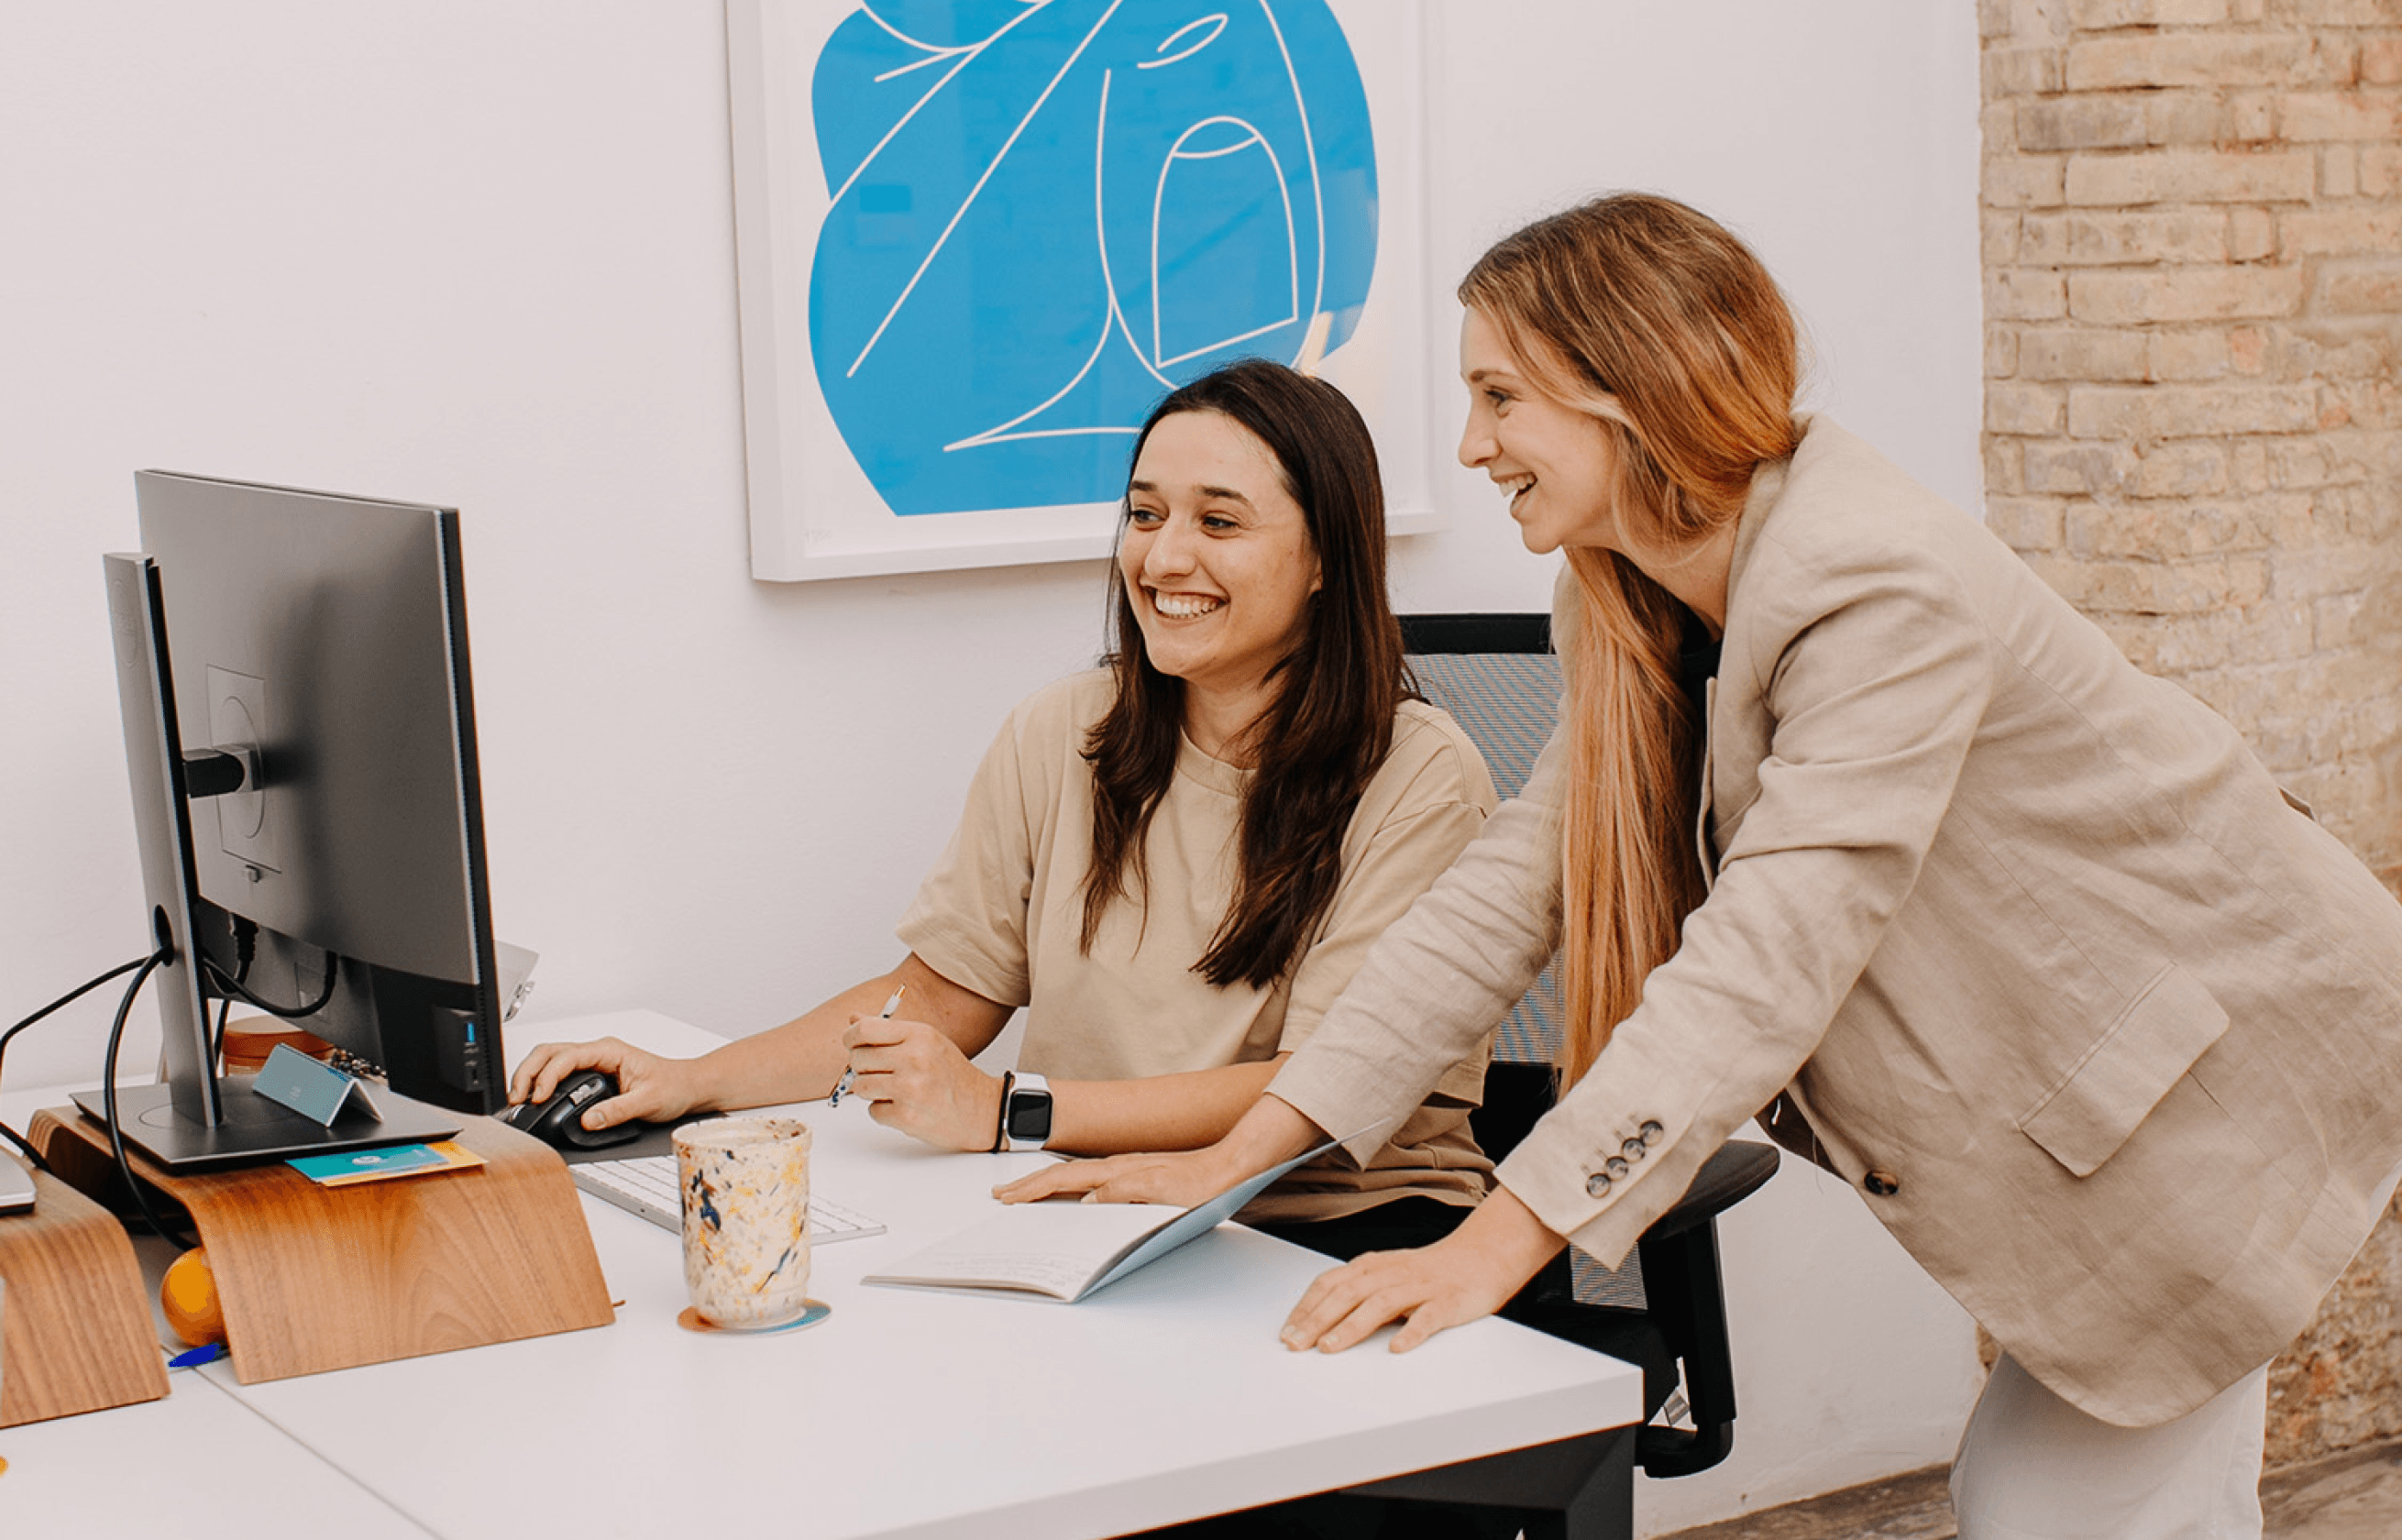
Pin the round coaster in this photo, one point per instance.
(818, 1310)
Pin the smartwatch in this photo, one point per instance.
(1025, 1112)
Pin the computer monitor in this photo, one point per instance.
(300, 730)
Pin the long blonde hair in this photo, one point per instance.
(1660, 324)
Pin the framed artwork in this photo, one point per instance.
(978, 240)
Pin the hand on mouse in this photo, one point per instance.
(649, 1087)
(915, 1079)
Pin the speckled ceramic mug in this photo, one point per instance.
(746, 1219)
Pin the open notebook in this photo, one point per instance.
(1067, 1250)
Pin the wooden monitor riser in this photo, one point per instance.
(313, 1278)
(75, 1333)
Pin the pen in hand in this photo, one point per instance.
(849, 1073)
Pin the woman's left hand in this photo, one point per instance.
(1185, 1177)
(1466, 1276)
(914, 1078)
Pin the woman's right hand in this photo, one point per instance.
(649, 1087)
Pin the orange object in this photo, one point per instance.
(189, 1295)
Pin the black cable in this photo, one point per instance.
(216, 1038)
(68, 999)
(245, 952)
(31, 1154)
(78, 991)
(108, 1105)
(227, 985)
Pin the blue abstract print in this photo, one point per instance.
(1045, 213)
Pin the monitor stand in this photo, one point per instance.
(311, 1278)
(256, 1129)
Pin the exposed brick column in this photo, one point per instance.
(2192, 247)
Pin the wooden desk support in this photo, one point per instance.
(313, 1278)
(76, 1335)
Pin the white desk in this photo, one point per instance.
(195, 1464)
(909, 1412)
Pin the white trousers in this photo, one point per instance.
(2031, 1466)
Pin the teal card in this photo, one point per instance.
(391, 1161)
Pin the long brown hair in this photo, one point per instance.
(1333, 719)
(1655, 320)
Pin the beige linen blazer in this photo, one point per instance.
(2022, 943)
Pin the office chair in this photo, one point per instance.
(1499, 679)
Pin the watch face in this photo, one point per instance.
(1030, 1115)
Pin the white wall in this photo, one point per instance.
(481, 253)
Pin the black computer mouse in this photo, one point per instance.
(559, 1122)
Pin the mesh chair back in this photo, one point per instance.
(1499, 678)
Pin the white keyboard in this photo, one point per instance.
(646, 1185)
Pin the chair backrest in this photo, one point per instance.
(1499, 678)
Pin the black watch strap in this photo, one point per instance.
(1000, 1124)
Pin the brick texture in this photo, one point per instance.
(2192, 245)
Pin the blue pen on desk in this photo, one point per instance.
(842, 1087)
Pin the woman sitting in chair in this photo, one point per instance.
(1173, 862)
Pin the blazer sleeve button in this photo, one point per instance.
(1634, 1149)
(1649, 1130)
(1615, 1166)
(1884, 1184)
(1597, 1184)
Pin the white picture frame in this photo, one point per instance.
(814, 514)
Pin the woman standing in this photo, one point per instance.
(2023, 945)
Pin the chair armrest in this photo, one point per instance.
(1686, 1301)
(1739, 1169)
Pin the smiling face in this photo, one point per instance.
(1217, 556)
(1557, 464)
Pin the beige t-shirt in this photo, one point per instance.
(1004, 908)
